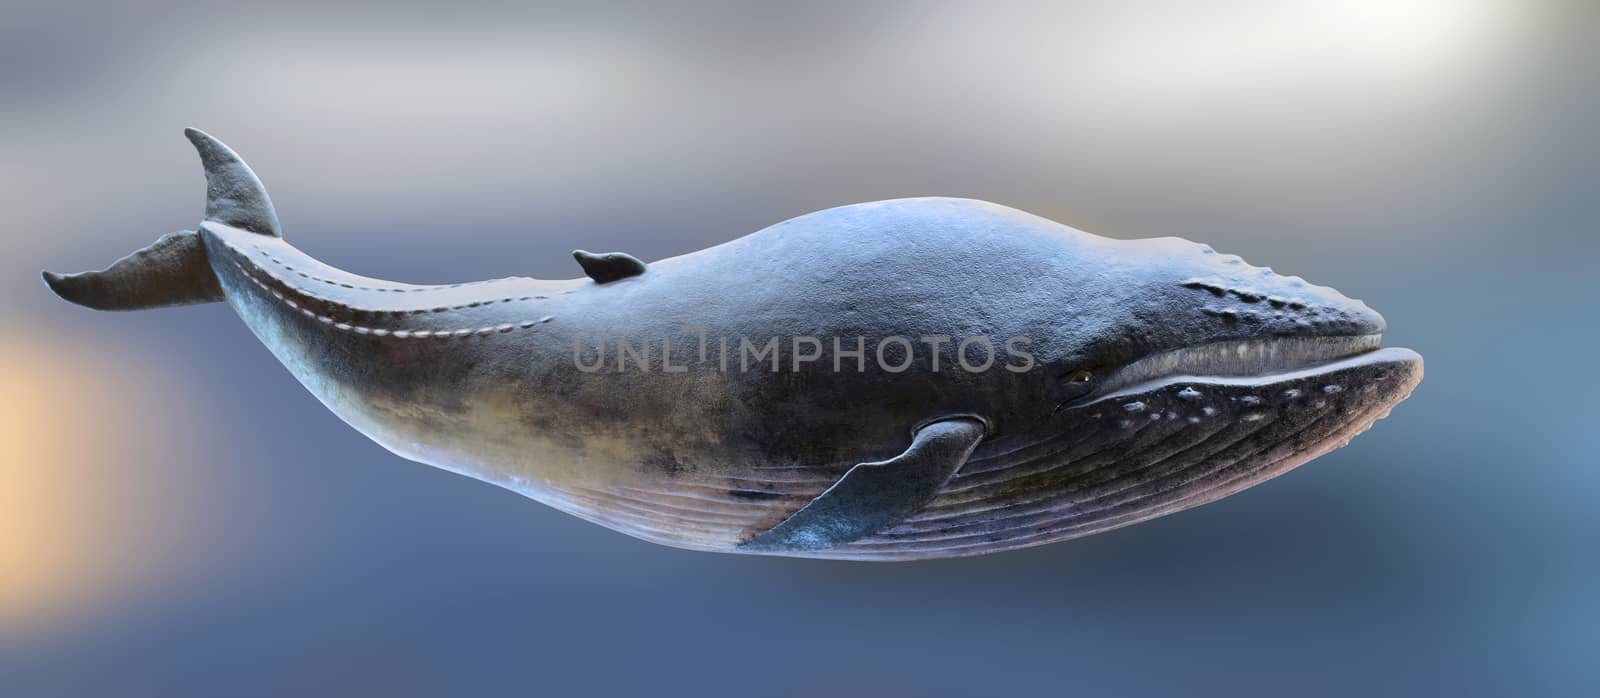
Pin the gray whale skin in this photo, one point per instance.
(902, 379)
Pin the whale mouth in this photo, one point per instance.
(1181, 429)
(1257, 361)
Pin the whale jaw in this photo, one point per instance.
(1160, 446)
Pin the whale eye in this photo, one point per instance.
(1074, 386)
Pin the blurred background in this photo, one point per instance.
(179, 517)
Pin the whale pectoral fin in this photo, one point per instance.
(608, 267)
(874, 496)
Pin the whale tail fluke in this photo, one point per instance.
(233, 194)
(171, 271)
(175, 269)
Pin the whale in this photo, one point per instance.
(894, 380)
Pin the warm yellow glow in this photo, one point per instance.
(57, 510)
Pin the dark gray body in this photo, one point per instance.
(482, 378)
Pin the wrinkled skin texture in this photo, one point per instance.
(482, 379)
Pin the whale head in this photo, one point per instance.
(1188, 375)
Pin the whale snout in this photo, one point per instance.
(1207, 315)
(1212, 296)
(1280, 305)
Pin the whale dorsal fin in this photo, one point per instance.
(608, 267)
(233, 194)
